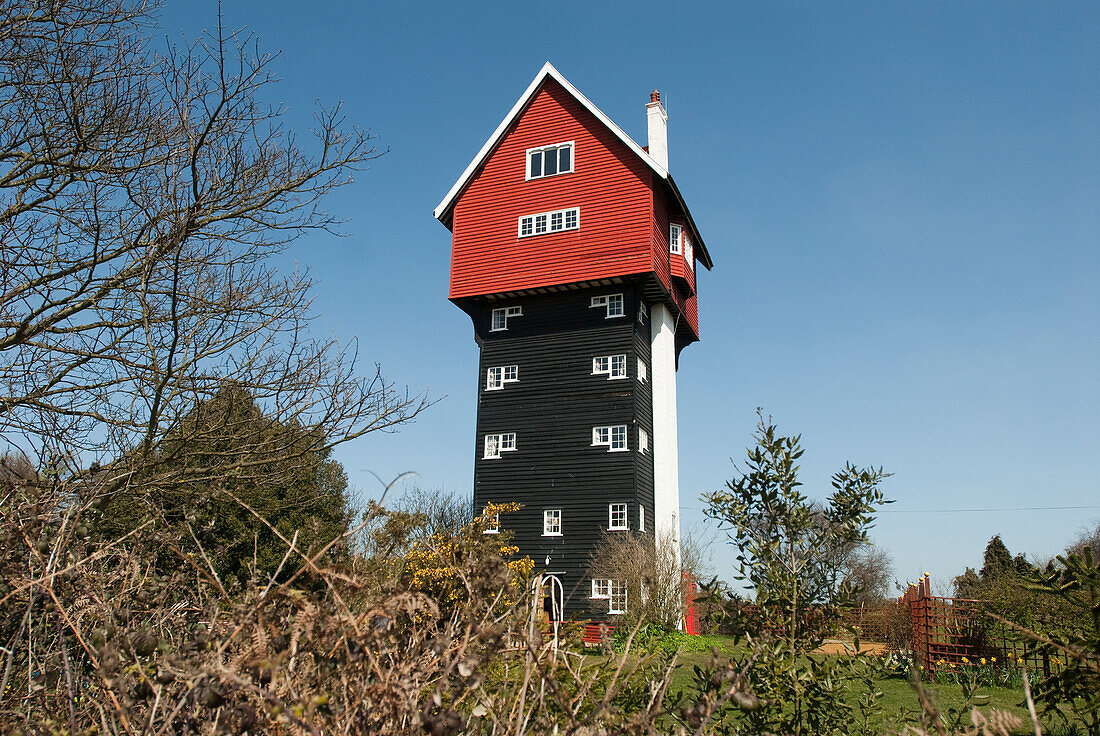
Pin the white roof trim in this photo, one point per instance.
(547, 70)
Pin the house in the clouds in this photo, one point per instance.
(576, 257)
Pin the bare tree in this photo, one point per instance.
(142, 194)
(655, 581)
(868, 570)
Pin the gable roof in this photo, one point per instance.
(443, 209)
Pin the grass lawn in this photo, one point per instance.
(900, 703)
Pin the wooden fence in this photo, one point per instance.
(948, 633)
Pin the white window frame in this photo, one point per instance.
(618, 517)
(551, 523)
(612, 436)
(542, 150)
(613, 302)
(612, 366)
(641, 518)
(601, 588)
(643, 374)
(543, 223)
(675, 238)
(689, 253)
(493, 525)
(498, 442)
(504, 313)
(497, 376)
(616, 594)
(643, 441)
(643, 312)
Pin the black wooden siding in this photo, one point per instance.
(552, 409)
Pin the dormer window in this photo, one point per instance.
(675, 239)
(550, 160)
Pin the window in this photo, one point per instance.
(643, 312)
(492, 524)
(616, 516)
(689, 253)
(549, 222)
(549, 160)
(613, 437)
(501, 316)
(643, 440)
(601, 588)
(551, 523)
(641, 518)
(641, 370)
(613, 302)
(675, 239)
(616, 596)
(612, 366)
(495, 378)
(498, 443)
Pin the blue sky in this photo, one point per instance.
(902, 201)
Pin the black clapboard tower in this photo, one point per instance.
(575, 256)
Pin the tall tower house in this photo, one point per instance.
(575, 256)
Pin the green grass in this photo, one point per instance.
(900, 705)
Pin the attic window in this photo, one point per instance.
(550, 160)
(549, 222)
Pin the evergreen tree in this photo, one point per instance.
(224, 472)
(997, 560)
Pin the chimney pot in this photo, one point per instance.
(654, 96)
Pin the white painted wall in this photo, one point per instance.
(657, 124)
(666, 478)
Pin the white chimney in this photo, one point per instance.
(657, 119)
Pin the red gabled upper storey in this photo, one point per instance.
(623, 202)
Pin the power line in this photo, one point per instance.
(963, 511)
(984, 510)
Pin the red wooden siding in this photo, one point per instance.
(662, 260)
(609, 184)
(623, 210)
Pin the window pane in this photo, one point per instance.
(536, 164)
(565, 155)
(556, 220)
(540, 223)
(550, 163)
(571, 219)
(615, 306)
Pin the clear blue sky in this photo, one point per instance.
(902, 201)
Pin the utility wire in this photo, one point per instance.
(983, 510)
(963, 511)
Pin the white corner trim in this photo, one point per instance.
(547, 70)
